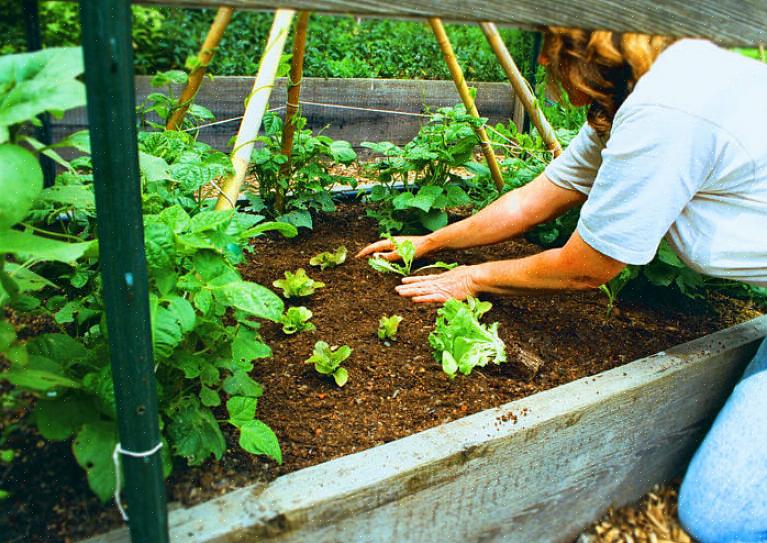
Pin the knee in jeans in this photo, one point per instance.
(703, 522)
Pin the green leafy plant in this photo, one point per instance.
(417, 181)
(297, 284)
(461, 342)
(388, 326)
(615, 285)
(158, 105)
(327, 361)
(204, 317)
(405, 249)
(296, 319)
(291, 190)
(327, 259)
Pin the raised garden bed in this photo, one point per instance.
(479, 476)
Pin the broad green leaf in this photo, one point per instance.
(434, 219)
(38, 380)
(241, 409)
(100, 384)
(160, 246)
(93, 449)
(7, 335)
(209, 397)
(26, 279)
(247, 346)
(175, 217)
(46, 80)
(341, 376)
(203, 300)
(79, 197)
(257, 438)
(31, 246)
(241, 384)
(193, 432)
(342, 152)
(61, 418)
(60, 347)
(21, 180)
(153, 168)
(80, 140)
(183, 311)
(209, 220)
(254, 299)
(166, 332)
(286, 229)
(298, 218)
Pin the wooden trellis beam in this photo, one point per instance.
(729, 22)
(468, 101)
(294, 94)
(208, 49)
(522, 89)
(256, 107)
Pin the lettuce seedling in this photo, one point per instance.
(329, 260)
(327, 361)
(387, 327)
(405, 249)
(297, 284)
(296, 319)
(461, 342)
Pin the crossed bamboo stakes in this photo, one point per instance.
(267, 72)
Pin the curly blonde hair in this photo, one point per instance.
(602, 65)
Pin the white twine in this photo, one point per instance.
(116, 459)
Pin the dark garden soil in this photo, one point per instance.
(393, 390)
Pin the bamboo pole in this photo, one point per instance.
(256, 107)
(294, 94)
(468, 101)
(521, 88)
(208, 49)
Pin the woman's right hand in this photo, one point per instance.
(385, 248)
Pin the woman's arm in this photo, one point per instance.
(575, 266)
(511, 215)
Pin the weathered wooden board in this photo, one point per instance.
(730, 22)
(225, 97)
(537, 469)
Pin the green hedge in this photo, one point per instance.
(336, 46)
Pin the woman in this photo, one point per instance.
(674, 147)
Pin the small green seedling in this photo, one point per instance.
(297, 284)
(327, 361)
(405, 249)
(329, 260)
(437, 266)
(387, 327)
(296, 319)
(615, 285)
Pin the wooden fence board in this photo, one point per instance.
(730, 22)
(537, 469)
(225, 97)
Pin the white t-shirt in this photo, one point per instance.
(686, 159)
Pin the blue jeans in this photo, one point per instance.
(723, 498)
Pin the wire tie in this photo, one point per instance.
(118, 450)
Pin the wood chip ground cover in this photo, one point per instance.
(393, 391)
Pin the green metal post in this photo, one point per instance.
(31, 11)
(106, 27)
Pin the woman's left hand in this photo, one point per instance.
(456, 283)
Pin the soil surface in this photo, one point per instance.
(393, 390)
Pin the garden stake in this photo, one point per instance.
(208, 49)
(468, 101)
(256, 107)
(108, 54)
(294, 94)
(521, 88)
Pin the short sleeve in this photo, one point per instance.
(655, 161)
(576, 168)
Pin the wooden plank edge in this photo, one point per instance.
(729, 22)
(311, 495)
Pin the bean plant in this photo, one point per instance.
(205, 318)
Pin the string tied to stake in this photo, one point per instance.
(118, 450)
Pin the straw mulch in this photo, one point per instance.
(653, 520)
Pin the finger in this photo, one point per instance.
(418, 278)
(378, 246)
(436, 298)
(409, 291)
